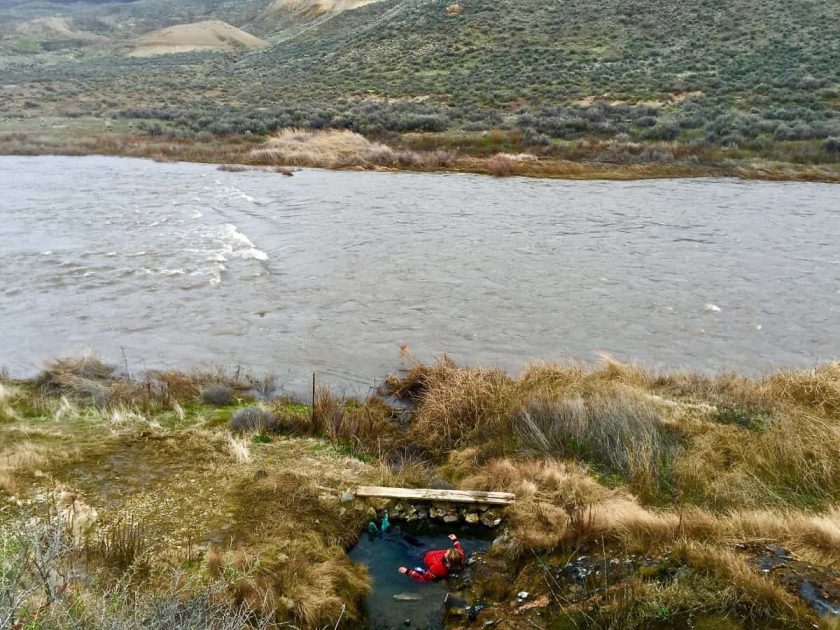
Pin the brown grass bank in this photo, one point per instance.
(197, 498)
(342, 149)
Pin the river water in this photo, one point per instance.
(182, 265)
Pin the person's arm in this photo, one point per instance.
(418, 576)
(457, 544)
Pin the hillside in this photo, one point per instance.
(209, 35)
(315, 8)
(722, 80)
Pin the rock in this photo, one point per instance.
(540, 602)
(523, 595)
(474, 610)
(346, 497)
(437, 512)
(454, 10)
(490, 519)
(450, 518)
(456, 612)
(471, 517)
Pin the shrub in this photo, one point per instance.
(218, 395)
(329, 148)
(500, 166)
(831, 146)
(254, 419)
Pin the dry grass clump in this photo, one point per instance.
(817, 389)
(793, 461)
(333, 148)
(120, 546)
(623, 434)
(318, 587)
(366, 426)
(322, 148)
(500, 166)
(403, 469)
(9, 396)
(418, 379)
(456, 405)
(64, 372)
(239, 449)
(621, 519)
(427, 160)
(21, 458)
(550, 496)
(84, 376)
(554, 411)
(297, 535)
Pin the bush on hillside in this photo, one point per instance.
(217, 395)
(254, 419)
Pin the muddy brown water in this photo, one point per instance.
(182, 265)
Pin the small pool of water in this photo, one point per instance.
(396, 598)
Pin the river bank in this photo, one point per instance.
(485, 154)
(643, 499)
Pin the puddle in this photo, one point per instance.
(818, 586)
(396, 599)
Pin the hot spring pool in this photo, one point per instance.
(397, 598)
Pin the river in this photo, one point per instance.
(182, 265)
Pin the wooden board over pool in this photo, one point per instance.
(431, 494)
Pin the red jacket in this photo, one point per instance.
(435, 569)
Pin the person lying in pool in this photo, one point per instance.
(439, 563)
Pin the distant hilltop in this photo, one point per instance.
(317, 7)
(212, 35)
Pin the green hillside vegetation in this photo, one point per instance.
(701, 81)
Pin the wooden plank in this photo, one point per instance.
(431, 494)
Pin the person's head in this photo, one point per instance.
(452, 559)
